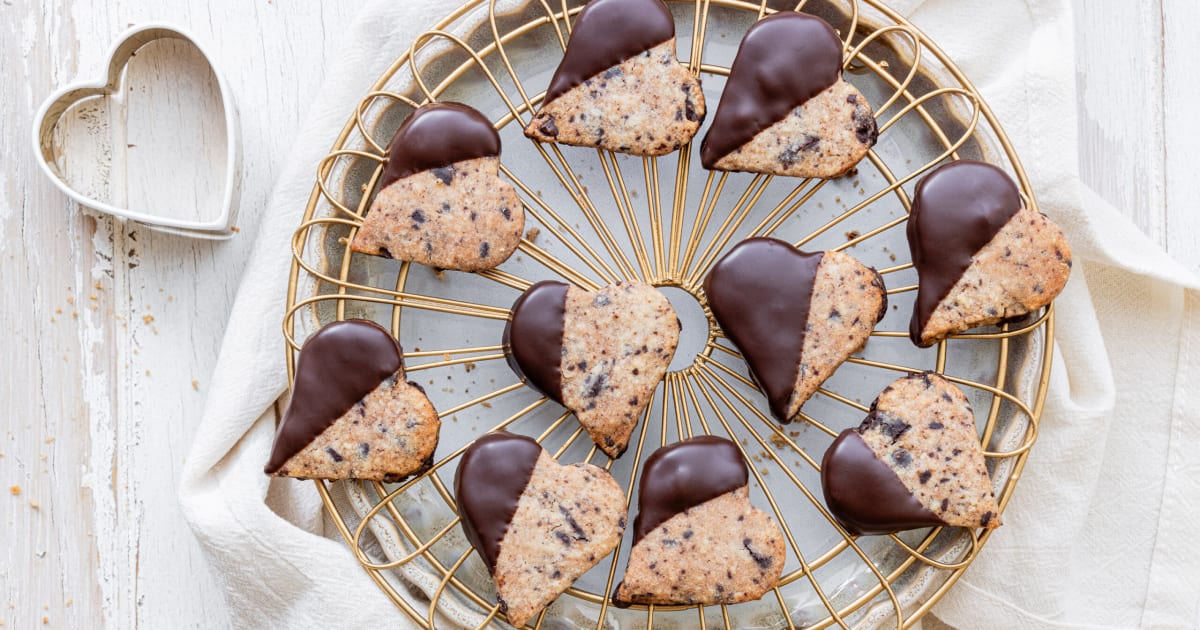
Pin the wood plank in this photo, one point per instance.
(114, 386)
(100, 401)
(1119, 67)
(1181, 130)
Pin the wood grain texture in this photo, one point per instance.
(1136, 69)
(111, 324)
(115, 327)
(1181, 130)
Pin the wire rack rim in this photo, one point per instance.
(1045, 322)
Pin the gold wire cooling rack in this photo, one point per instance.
(604, 218)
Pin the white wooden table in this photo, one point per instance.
(111, 330)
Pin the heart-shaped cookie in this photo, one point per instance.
(441, 201)
(785, 109)
(536, 524)
(219, 220)
(980, 255)
(914, 462)
(795, 316)
(600, 354)
(619, 86)
(697, 539)
(352, 415)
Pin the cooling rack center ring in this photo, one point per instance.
(698, 329)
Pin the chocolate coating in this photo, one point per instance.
(534, 334)
(491, 476)
(957, 210)
(338, 366)
(864, 494)
(760, 294)
(783, 61)
(683, 475)
(438, 135)
(606, 33)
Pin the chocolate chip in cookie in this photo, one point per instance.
(697, 539)
(352, 415)
(981, 256)
(914, 462)
(795, 316)
(786, 110)
(537, 525)
(619, 86)
(441, 201)
(599, 353)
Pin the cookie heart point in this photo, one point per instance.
(600, 354)
(620, 86)
(352, 415)
(980, 255)
(796, 324)
(698, 539)
(785, 109)
(537, 524)
(914, 462)
(441, 201)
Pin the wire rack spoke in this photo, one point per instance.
(837, 616)
(670, 237)
(805, 568)
(621, 197)
(591, 259)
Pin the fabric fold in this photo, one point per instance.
(1100, 530)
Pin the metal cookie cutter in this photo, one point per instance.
(52, 110)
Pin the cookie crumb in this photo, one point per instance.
(852, 234)
(195, 384)
(532, 234)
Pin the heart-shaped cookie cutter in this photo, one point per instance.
(57, 104)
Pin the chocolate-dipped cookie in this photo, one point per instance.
(441, 201)
(352, 415)
(914, 462)
(600, 354)
(536, 524)
(981, 256)
(785, 109)
(794, 316)
(697, 539)
(619, 86)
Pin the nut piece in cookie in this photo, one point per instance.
(441, 201)
(352, 415)
(981, 256)
(697, 539)
(619, 86)
(785, 109)
(600, 354)
(914, 462)
(794, 316)
(537, 525)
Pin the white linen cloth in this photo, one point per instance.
(1102, 529)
